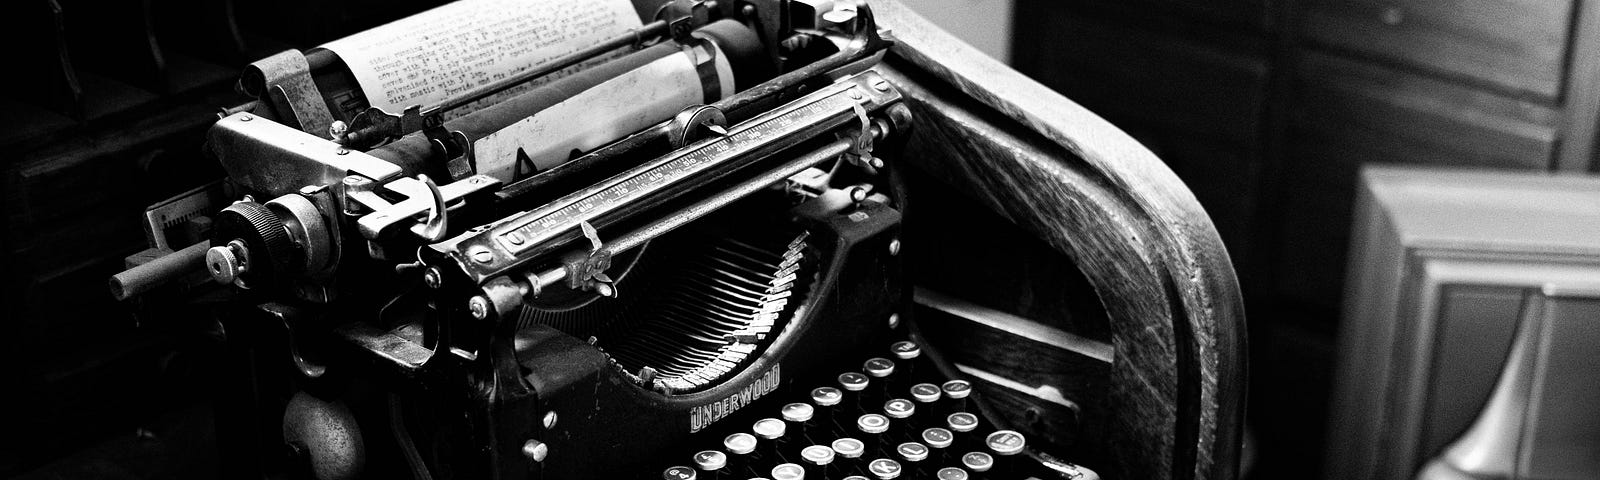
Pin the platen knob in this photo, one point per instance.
(258, 250)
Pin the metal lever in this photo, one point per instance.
(433, 227)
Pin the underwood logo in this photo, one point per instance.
(704, 415)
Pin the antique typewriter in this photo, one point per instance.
(679, 239)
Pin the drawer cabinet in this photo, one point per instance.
(1516, 45)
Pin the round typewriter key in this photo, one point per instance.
(826, 400)
(961, 425)
(857, 383)
(956, 392)
(678, 473)
(788, 471)
(911, 455)
(740, 443)
(769, 428)
(977, 461)
(912, 451)
(938, 440)
(872, 427)
(710, 460)
(899, 408)
(878, 367)
(798, 412)
(817, 455)
(951, 473)
(962, 421)
(740, 447)
(826, 396)
(884, 468)
(957, 389)
(849, 447)
(925, 392)
(1006, 442)
(771, 432)
(799, 415)
(938, 437)
(853, 381)
(818, 461)
(905, 350)
(899, 412)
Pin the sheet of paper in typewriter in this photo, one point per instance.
(467, 45)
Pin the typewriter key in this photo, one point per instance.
(678, 473)
(711, 462)
(899, 412)
(856, 383)
(1005, 444)
(925, 393)
(938, 441)
(961, 425)
(911, 456)
(827, 401)
(740, 446)
(788, 471)
(849, 452)
(879, 369)
(771, 432)
(872, 426)
(962, 422)
(799, 416)
(978, 462)
(884, 469)
(907, 352)
(951, 473)
(818, 461)
(957, 391)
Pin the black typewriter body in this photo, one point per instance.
(696, 239)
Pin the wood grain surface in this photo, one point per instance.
(1090, 191)
(1514, 45)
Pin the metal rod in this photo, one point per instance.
(137, 280)
(635, 36)
(705, 206)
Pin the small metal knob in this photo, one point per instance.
(223, 263)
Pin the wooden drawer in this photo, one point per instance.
(1256, 15)
(1347, 113)
(1409, 118)
(1518, 45)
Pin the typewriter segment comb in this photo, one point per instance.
(701, 303)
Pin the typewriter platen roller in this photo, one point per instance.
(612, 239)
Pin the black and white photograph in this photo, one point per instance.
(800, 240)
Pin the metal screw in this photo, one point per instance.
(894, 247)
(246, 118)
(535, 450)
(855, 94)
(894, 320)
(310, 190)
(748, 11)
(432, 277)
(881, 84)
(550, 419)
(479, 307)
(481, 255)
(342, 151)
